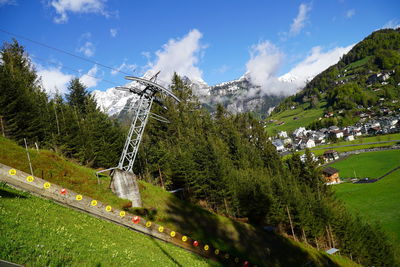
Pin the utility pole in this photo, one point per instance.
(29, 158)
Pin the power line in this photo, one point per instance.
(62, 51)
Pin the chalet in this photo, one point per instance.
(278, 145)
(331, 155)
(331, 175)
(349, 137)
(310, 143)
(282, 134)
(299, 132)
(336, 133)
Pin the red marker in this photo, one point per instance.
(195, 243)
(136, 219)
(63, 191)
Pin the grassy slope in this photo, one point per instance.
(371, 164)
(377, 201)
(38, 232)
(237, 238)
(304, 118)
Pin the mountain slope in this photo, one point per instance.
(234, 95)
(160, 206)
(366, 77)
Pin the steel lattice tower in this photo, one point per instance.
(141, 109)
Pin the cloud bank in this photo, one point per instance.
(266, 58)
(55, 81)
(180, 56)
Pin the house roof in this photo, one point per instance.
(330, 152)
(329, 171)
(332, 251)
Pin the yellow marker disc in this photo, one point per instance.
(47, 185)
(161, 229)
(226, 256)
(78, 197)
(93, 202)
(148, 224)
(122, 213)
(108, 208)
(30, 179)
(206, 247)
(237, 260)
(216, 252)
(12, 172)
(184, 238)
(172, 234)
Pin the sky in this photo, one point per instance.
(213, 41)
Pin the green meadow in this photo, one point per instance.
(376, 202)
(38, 232)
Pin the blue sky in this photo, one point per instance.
(215, 41)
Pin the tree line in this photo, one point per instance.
(72, 125)
(223, 161)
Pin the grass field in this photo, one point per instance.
(38, 232)
(377, 201)
(304, 118)
(370, 164)
(242, 240)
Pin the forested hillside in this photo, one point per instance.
(72, 125)
(223, 162)
(366, 77)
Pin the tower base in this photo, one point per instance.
(125, 185)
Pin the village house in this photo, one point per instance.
(282, 134)
(278, 145)
(349, 137)
(330, 155)
(331, 175)
(337, 133)
(299, 132)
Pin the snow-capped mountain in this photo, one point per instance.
(112, 101)
(237, 96)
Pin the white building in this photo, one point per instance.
(278, 145)
(299, 131)
(283, 134)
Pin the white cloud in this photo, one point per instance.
(124, 67)
(316, 62)
(300, 20)
(87, 49)
(7, 2)
(180, 56)
(113, 32)
(89, 79)
(350, 13)
(392, 24)
(63, 7)
(266, 58)
(54, 80)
